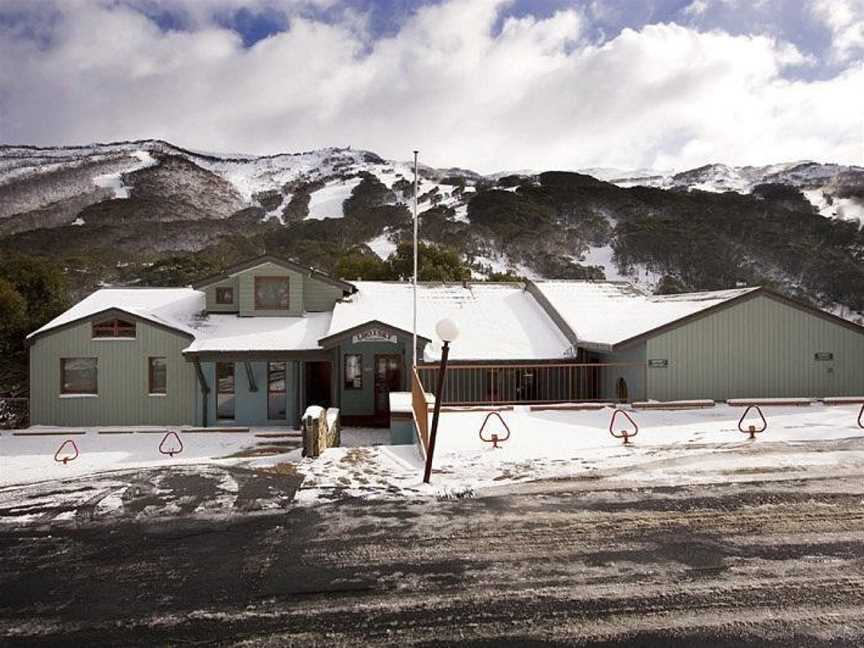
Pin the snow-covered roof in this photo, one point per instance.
(607, 313)
(172, 307)
(496, 321)
(224, 333)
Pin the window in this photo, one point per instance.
(225, 296)
(157, 376)
(115, 328)
(225, 390)
(271, 293)
(78, 376)
(276, 391)
(354, 371)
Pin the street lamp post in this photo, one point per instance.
(447, 331)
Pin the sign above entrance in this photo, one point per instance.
(374, 334)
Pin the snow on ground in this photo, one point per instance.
(461, 215)
(603, 257)
(358, 437)
(382, 245)
(114, 181)
(500, 263)
(276, 213)
(251, 175)
(672, 447)
(842, 208)
(27, 459)
(327, 201)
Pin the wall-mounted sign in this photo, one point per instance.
(823, 356)
(374, 334)
(658, 363)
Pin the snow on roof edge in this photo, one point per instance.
(159, 313)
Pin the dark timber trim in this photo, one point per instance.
(250, 377)
(254, 356)
(205, 392)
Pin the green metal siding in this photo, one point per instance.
(246, 283)
(319, 296)
(760, 348)
(122, 379)
(210, 292)
(633, 375)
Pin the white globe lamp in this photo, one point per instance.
(447, 330)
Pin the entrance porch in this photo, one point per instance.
(263, 390)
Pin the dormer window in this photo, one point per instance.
(115, 328)
(225, 296)
(271, 293)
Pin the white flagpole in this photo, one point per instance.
(414, 346)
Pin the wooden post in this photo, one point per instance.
(250, 377)
(205, 392)
(442, 374)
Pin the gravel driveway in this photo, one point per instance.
(760, 563)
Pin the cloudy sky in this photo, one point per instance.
(484, 84)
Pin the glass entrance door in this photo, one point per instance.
(277, 393)
(388, 377)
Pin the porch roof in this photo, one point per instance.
(231, 334)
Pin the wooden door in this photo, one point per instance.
(388, 377)
(318, 384)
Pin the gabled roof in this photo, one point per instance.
(613, 315)
(172, 308)
(497, 321)
(332, 338)
(269, 258)
(755, 292)
(604, 315)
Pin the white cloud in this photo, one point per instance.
(845, 19)
(696, 8)
(536, 94)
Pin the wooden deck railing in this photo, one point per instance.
(500, 384)
(420, 405)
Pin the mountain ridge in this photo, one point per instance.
(97, 204)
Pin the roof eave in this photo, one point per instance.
(328, 340)
(32, 337)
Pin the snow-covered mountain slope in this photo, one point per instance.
(836, 190)
(58, 182)
(48, 187)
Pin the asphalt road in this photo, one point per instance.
(769, 563)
